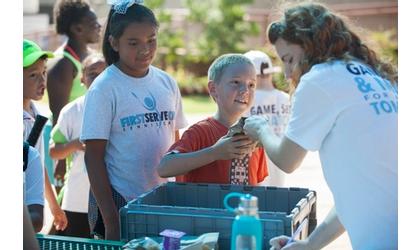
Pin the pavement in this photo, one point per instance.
(308, 175)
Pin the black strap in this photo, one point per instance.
(25, 155)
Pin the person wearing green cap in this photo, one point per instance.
(34, 85)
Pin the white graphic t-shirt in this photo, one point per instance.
(68, 127)
(349, 114)
(274, 105)
(138, 117)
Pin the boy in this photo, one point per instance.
(271, 103)
(205, 153)
(34, 84)
(65, 143)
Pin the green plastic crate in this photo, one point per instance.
(52, 242)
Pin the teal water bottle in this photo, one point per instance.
(246, 227)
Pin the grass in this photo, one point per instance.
(198, 104)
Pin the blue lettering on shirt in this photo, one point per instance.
(380, 94)
(145, 119)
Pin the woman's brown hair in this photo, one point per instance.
(324, 36)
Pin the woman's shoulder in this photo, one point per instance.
(325, 70)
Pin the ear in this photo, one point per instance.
(211, 85)
(75, 29)
(113, 42)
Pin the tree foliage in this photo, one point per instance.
(224, 27)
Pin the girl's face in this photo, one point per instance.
(136, 48)
(35, 80)
(234, 93)
(90, 28)
(290, 54)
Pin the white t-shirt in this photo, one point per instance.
(33, 179)
(68, 127)
(28, 123)
(138, 117)
(349, 114)
(275, 106)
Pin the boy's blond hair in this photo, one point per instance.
(219, 65)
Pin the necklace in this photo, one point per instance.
(71, 51)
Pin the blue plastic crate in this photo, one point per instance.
(198, 208)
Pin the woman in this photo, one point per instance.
(344, 106)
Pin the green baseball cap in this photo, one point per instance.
(32, 52)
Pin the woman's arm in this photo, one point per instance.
(329, 230)
(59, 151)
(101, 187)
(286, 154)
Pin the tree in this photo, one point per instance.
(224, 28)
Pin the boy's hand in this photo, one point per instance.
(78, 145)
(60, 219)
(255, 126)
(238, 146)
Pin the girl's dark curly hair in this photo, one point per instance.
(324, 36)
(68, 12)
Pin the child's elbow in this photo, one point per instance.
(162, 169)
(54, 152)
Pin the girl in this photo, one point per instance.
(345, 107)
(132, 115)
(78, 22)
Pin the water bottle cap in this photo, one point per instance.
(248, 204)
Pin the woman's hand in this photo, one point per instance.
(255, 126)
(280, 242)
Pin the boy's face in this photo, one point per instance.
(35, 80)
(234, 93)
(91, 71)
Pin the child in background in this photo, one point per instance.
(33, 187)
(34, 84)
(132, 115)
(271, 103)
(77, 21)
(65, 143)
(205, 153)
